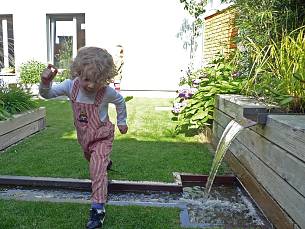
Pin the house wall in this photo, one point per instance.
(219, 34)
(154, 56)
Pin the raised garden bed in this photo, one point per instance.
(269, 159)
(21, 126)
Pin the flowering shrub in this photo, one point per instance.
(194, 105)
(184, 92)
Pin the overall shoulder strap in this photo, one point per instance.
(99, 96)
(75, 90)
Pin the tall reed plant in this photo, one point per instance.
(264, 20)
(278, 71)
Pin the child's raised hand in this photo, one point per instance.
(123, 129)
(48, 74)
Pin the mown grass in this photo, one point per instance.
(150, 150)
(44, 215)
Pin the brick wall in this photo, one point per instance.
(219, 33)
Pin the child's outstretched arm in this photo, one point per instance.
(46, 90)
(118, 100)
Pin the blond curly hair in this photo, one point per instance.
(95, 64)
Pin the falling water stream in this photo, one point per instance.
(228, 135)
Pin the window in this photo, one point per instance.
(65, 35)
(7, 53)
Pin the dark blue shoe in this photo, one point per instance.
(96, 219)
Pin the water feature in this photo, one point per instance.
(228, 135)
(227, 205)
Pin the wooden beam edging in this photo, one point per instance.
(181, 180)
(85, 184)
(47, 182)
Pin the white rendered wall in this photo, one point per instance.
(154, 56)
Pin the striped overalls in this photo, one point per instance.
(96, 139)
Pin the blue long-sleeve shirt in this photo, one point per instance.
(110, 96)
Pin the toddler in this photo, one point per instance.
(88, 89)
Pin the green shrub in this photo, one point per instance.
(14, 100)
(198, 109)
(62, 75)
(30, 72)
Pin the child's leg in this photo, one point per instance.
(98, 171)
(99, 160)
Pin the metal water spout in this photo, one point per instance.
(251, 117)
(245, 123)
(257, 115)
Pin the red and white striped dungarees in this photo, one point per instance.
(96, 139)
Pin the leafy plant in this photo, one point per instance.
(30, 72)
(64, 57)
(220, 78)
(62, 75)
(14, 100)
(195, 8)
(279, 71)
(262, 22)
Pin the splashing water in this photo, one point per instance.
(228, 135)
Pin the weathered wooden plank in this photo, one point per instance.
(286, 196)
(287, 131)
(267, 204)
(281, 161)
(233, 105)
(21, 119)
(292, 139)
(19, 134)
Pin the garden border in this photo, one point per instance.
(21, 126)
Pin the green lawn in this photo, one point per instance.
(149, 151)
(43, 215)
